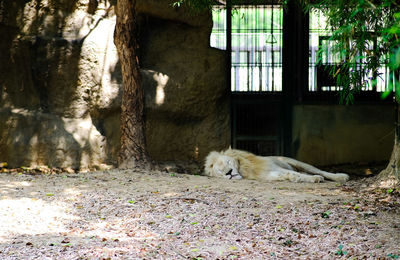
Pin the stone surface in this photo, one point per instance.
(60, 83)
(38, 138)
(186, 97)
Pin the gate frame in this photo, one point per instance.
(295, 49)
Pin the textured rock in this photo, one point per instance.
(60, 83)
(186, 95)
(46, 139)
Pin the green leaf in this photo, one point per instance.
(340, 251)
(325, 214)
(393, 256)
(131, 202)
(386, 94)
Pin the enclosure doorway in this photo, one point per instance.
(253, 35)
(279, 61)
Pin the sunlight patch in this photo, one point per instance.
(162, 81)
(29, 216)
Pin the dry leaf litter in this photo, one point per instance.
(135, 214)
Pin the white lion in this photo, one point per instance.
(237, 164)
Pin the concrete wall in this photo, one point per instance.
(335, 134)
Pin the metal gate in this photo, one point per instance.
(256, 123)
(273, 56)
(254, 37)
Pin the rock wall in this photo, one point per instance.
(60, 83)
(184, 79)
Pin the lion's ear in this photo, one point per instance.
(229, 148)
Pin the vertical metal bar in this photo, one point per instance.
(246, 20)
(288, 82)
(229, 69)
(248, 66)
(260, 53)
(245, 30)
(266, 52)
(272, 48)
(228, 42)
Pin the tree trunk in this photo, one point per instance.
(390, 176)
(133, 146)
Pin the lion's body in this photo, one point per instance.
(237, 164)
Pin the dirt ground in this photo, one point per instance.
(126, 214)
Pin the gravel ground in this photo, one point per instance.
(126, 214)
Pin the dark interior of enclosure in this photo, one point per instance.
(279, 57)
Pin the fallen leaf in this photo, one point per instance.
(65, 241)
(3, 164)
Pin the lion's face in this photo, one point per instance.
(223, 166)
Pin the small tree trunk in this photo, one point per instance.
(133, 146)
(391, 175)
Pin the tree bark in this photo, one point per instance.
(390, 176)
(133, 145)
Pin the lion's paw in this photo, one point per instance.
(316, 178)
(341, 177)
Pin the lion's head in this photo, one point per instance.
(220, 165)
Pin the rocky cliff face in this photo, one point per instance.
(60, 83)
(184, 79)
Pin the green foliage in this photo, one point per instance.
(325, 214)
(340, 251)
(366, 34)
(393, 256)
(194, 5)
